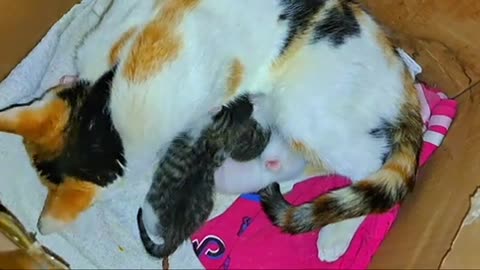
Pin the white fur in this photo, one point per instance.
(327, 98)
(334, 239)
(235, 177)
(121, 15)
(48, 225)
(151, 221)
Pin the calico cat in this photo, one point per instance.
(181, 197)
(335, 90)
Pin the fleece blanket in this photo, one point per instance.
(106, 236)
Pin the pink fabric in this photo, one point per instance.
(243, 238)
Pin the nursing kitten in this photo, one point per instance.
(181, 197)
(276, 163)
(245, 147)
(335, 90)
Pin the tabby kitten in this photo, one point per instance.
(181, 196)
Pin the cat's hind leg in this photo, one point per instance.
(334, 239)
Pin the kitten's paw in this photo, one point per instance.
(334, 239)
(273, 165)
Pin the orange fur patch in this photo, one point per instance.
(119, 45)
(319, 215)
(159, 43)
(309, 155)
(397, 168)
(358, 12)
(411, 92)
(288, 219)
(283, 62)
(365, 185)
(235, 77)
(311, 170)
(387, 46)
(69, 199)
(42, 128)
(298, 147)
(298, 43)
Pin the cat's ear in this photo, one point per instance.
(36, 119)
(65, 203)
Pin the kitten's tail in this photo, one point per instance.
(376, 194)
(154, 249)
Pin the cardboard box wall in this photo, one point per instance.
(444, 37)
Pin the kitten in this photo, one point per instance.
(181, 197)
(276, 163)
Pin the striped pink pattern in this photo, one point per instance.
(442, 111)
(243, 237)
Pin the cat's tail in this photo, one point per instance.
(376, 194)
(154, 249)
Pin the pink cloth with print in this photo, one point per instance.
(243, 238)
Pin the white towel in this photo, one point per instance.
(106, 236)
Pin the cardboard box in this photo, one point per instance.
(435, 228)
(440, 36)
(464, 250)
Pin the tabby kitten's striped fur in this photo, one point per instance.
(181, 197)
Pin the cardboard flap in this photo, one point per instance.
(442, 35)
(463, 253)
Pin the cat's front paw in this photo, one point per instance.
(334, 239)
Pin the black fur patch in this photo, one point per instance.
(339, 24)
(93, 150)
(377, 199)
(240, 109)
(299, 13)
(385, 131)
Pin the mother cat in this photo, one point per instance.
(333, 87)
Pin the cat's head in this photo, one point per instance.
(72, 144)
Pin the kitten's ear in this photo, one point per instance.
(215, 110)
(65, 203)
(35, 119)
